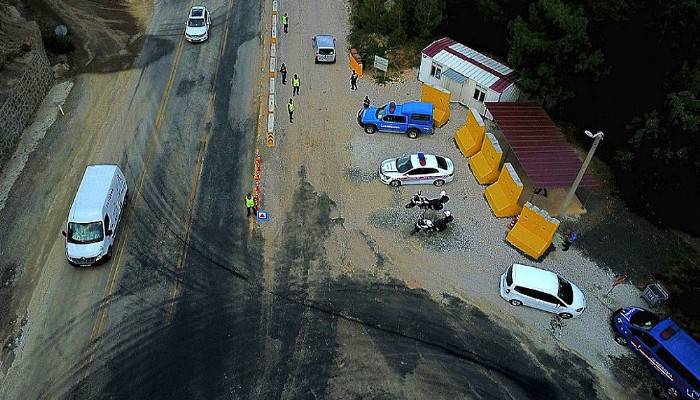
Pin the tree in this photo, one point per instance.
(659, 165)
(427, 16)
(552, 51)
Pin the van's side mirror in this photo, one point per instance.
(108, 232)
(63, 233)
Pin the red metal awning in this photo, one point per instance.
(548, 159)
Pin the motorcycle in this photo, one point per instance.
(428, 226)
(425, 203)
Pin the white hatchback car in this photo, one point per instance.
(197, 26)
(541, 289)
(416, 169)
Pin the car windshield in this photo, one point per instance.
(90, 232)
(325, 52)
(566, 292)
(381, 111)
(195, 22)
(644, 319)
(403, 164)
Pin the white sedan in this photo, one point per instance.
(197, 26)
(416, 169)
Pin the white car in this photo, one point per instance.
(416, 169)
(197, 26)
(541, 289)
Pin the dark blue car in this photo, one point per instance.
(664, 347)
(413, 118)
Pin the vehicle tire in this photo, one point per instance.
(413, 133)
(370, 129)
(439, 182)
(516, 303)
(620, 340)
(565, 315)
(671, 392)
(395, 183)
(126, 199)
(108, 256)
(315, 60)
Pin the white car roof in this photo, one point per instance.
(535, 278)
(92, 193)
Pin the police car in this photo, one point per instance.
(416, 169)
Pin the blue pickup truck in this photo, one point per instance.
(413, 118)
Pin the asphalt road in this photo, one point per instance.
(181, 122)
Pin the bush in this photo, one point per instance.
(388, 28)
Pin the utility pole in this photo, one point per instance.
(565, 204)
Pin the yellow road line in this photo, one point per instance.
(101, 318)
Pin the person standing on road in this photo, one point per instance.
(283, 71)
(365, 102)
(291, 108)
(250, 204)
(296, 83)
(285, 22)
(353, 80)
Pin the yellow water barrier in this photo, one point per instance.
(355, 63)
(533, 232)
(440, 98)
(485, 164)
(503, 195)
(470, 135)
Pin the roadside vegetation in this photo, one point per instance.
(396, 30)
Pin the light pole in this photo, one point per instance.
(597, 137)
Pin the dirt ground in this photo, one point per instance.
(107, 35)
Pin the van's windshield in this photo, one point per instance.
(83, 233)
(325, 52)
(644, 319)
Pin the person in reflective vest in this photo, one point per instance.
(291, 108)
(296, 83)
(285, 22)
(250, 204)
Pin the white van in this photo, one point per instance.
(94, 215)
(324, 48)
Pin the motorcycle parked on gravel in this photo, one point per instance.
(428, 226)
(425, 203)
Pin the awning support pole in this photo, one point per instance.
(565, 204)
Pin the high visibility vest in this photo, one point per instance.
(290, 107)
(296, 82)
(249, 202)
(284, 20)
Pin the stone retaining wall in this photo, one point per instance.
(23, 99)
